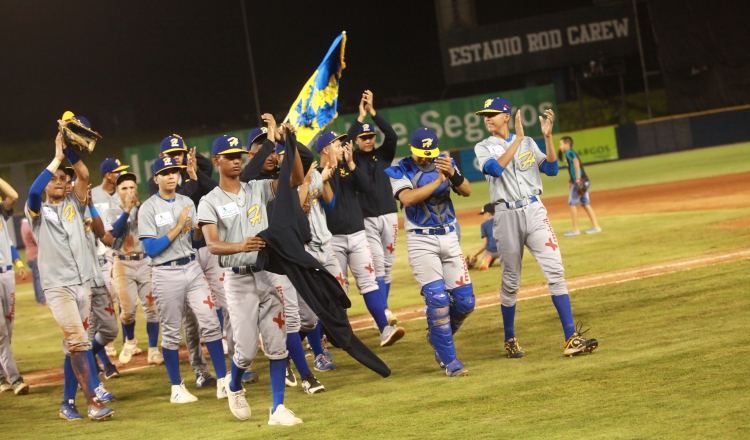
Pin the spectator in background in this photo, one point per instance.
(489, 246)
(577, 177)
(32, 252)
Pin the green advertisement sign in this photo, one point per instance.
(454, 120)
(592, 145)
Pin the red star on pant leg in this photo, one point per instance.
(370, 268)
(391, 247)
(552, 244)
(150, 298)
(110, 309)
(9, 318)
(460, 281)
(208, 302)
(341, 278)
(86, 323)
(279, 320)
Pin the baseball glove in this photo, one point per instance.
(78, 136)
(581, 187)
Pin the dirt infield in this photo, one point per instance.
(724, 192)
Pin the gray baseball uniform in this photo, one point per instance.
(8, 365)
(520, 217)
(176, 284)
(382, 235)
(131, 273)
(103, 324)
(65, 263)
(320, 245)
(254, 302)
(104, 201)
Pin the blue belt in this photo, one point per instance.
(436, 231)
(180, 262)
(244, 270)
(6, 269)
(134, 257)
(519, 203)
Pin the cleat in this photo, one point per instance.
(577, 344)
(103, 395)
(291, 381)
(204, 379)
(98, 411)
(180, 394)
(324, 344)
(456, 369)
(572, 233)
(283, 417)
(238, 404)
(69, 412)
(311, 385)
(593, 231)
(249, 377)
(323, 364)
(110, 350)
(154, 356)
(390, 335)
(128, 351)
(20, 388)
(5, 385)
(110, 372)
(221, 388)
(513, 350)
(392, 319)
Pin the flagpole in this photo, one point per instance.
(252, 65)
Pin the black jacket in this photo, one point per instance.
(285, 254)
(346, 216)
(378, 199)
(191, 188)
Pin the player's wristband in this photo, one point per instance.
(456, 180)
(19, 264)
(71, 155)
(94, 212)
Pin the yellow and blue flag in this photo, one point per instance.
(315, 107)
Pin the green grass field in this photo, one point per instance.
(672, 363)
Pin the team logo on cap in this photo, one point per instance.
(264, 129)
(175, 142)
(167, 160)
(117, 161)
(488, 103)
(365, 126)
(233, 141)
(426, 143)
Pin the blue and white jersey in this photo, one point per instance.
(437, 210)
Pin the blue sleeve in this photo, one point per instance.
(37, 188)
(155, 246)
(119, 226)
(14, 254)
(493, 168)
(199, 243)
(94, 213)
(328, 206)
(71, 155)
(549, 168)
(484, 229)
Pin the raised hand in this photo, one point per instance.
(369, 106)
(273, 131)
(445, 166)
(184, 216)
(310, 172)
(519, 125)
(348, 156)
(89, 199)
(128, 202)
(362, 109)
(547, 123)
(59, 146)
(328, 171)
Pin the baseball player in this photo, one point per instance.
(10, 378)
(577, 177)
(65, 264)
(512, 164)
(194, 182)
(349, 241)
(299, 318)
(378, 204)
(489, 246)
(422, 182)
(232, 215)
(320, 198)
(131, 273)
(165, 225)
(105, 197)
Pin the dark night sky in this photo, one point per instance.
(140, 66)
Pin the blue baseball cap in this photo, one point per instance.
(171, 144)
(325, 139)
(227, 145)
(366, 130)
(256, 134)
(280, 149)
(494, 106)
(68, 115)
(111, 165)
(424, 143)
(164, 163)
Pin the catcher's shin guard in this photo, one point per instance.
(462, 304)
(437, 309)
